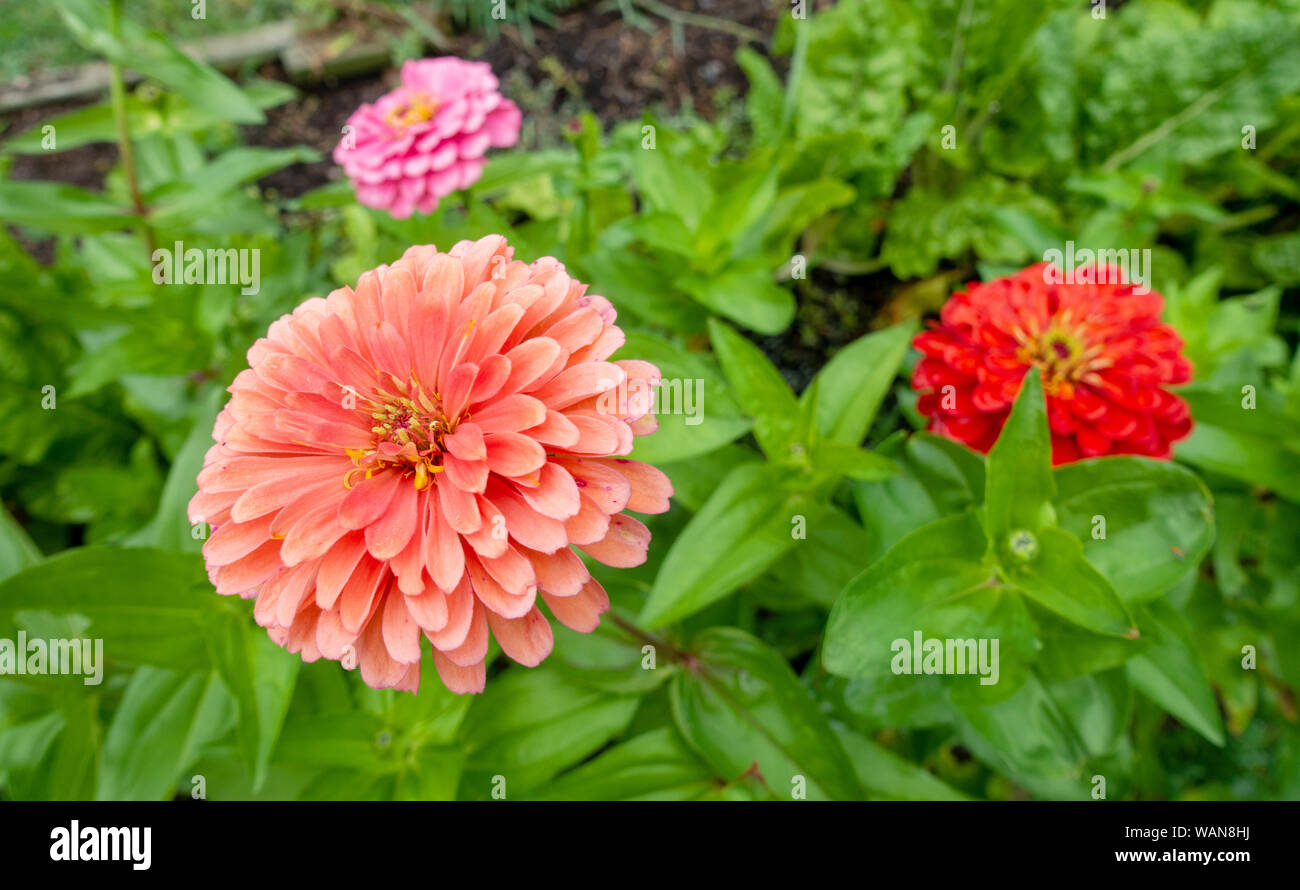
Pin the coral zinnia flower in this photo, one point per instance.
(427, 138)
(418, 455)
(1104, 354)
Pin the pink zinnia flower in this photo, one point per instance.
(427, 138)
(418, 456)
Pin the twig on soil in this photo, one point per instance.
(681, 17)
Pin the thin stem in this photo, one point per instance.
(117, 92)
(645, 637)
(698, 20)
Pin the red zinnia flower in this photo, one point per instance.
(418, 457)
(1104, 354)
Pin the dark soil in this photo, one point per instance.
(592, 59)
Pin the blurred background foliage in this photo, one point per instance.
(781, 251)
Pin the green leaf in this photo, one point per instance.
(1098, 707)
(655, 765)
(1171, 674)
(939, 478)
(196, 191)
(531, 724)
(71, 769)
(1156, 522)
(762, 392)
(1069, 651)
(261, 676)
(1020, 487)
(1059, 578)
(819, 566)
(170, 528)
(696, 411)
(886, 775)
(743, 528)
(745, 292)
(743, 706)
(168, 114)
(150, 53)
(1028, 739)
(149, 606)
(1259, 447)
(856, 380)
(667, 183)
(843, 459)
(434, 775)
(356, 741)
(638, 285)
(744, 192)
(17, 550)
(521, 166)
(934, 583)
(158, 730)
(765, 97)
(55, 207)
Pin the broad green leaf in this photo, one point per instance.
(696, 411)
(661, 231)
(939, 478)
(1071, 651)
(765, 97)
(1029, 740)
(1055, 574)
(25, 746)
(742, 706)
(746, 293)
(743, 528)
(1170, 673)
(744, 191)
(793, 211)
(886, 775)
(152, 54)
(150, 606)
(936, 566)
(55, 207)
(856, 380)
(656, 765)
(72, 769)
(170, 528)
(1098, 707)
(695, 479)
(17, 550)
(933, 586)
(1257, 457)
(1143, 523)
(435, 775)
(530, 725)
(758, 386)
(357, 741)
(260, 675)
(1020, 488)
(521, 166)
(828, 556)
(668, 185)
(880, 701)
(638, 285)
(170, 113)
(194, 193)
(842, 459)
(163, 721)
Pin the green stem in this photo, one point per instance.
(632, 630)
(117, 93)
